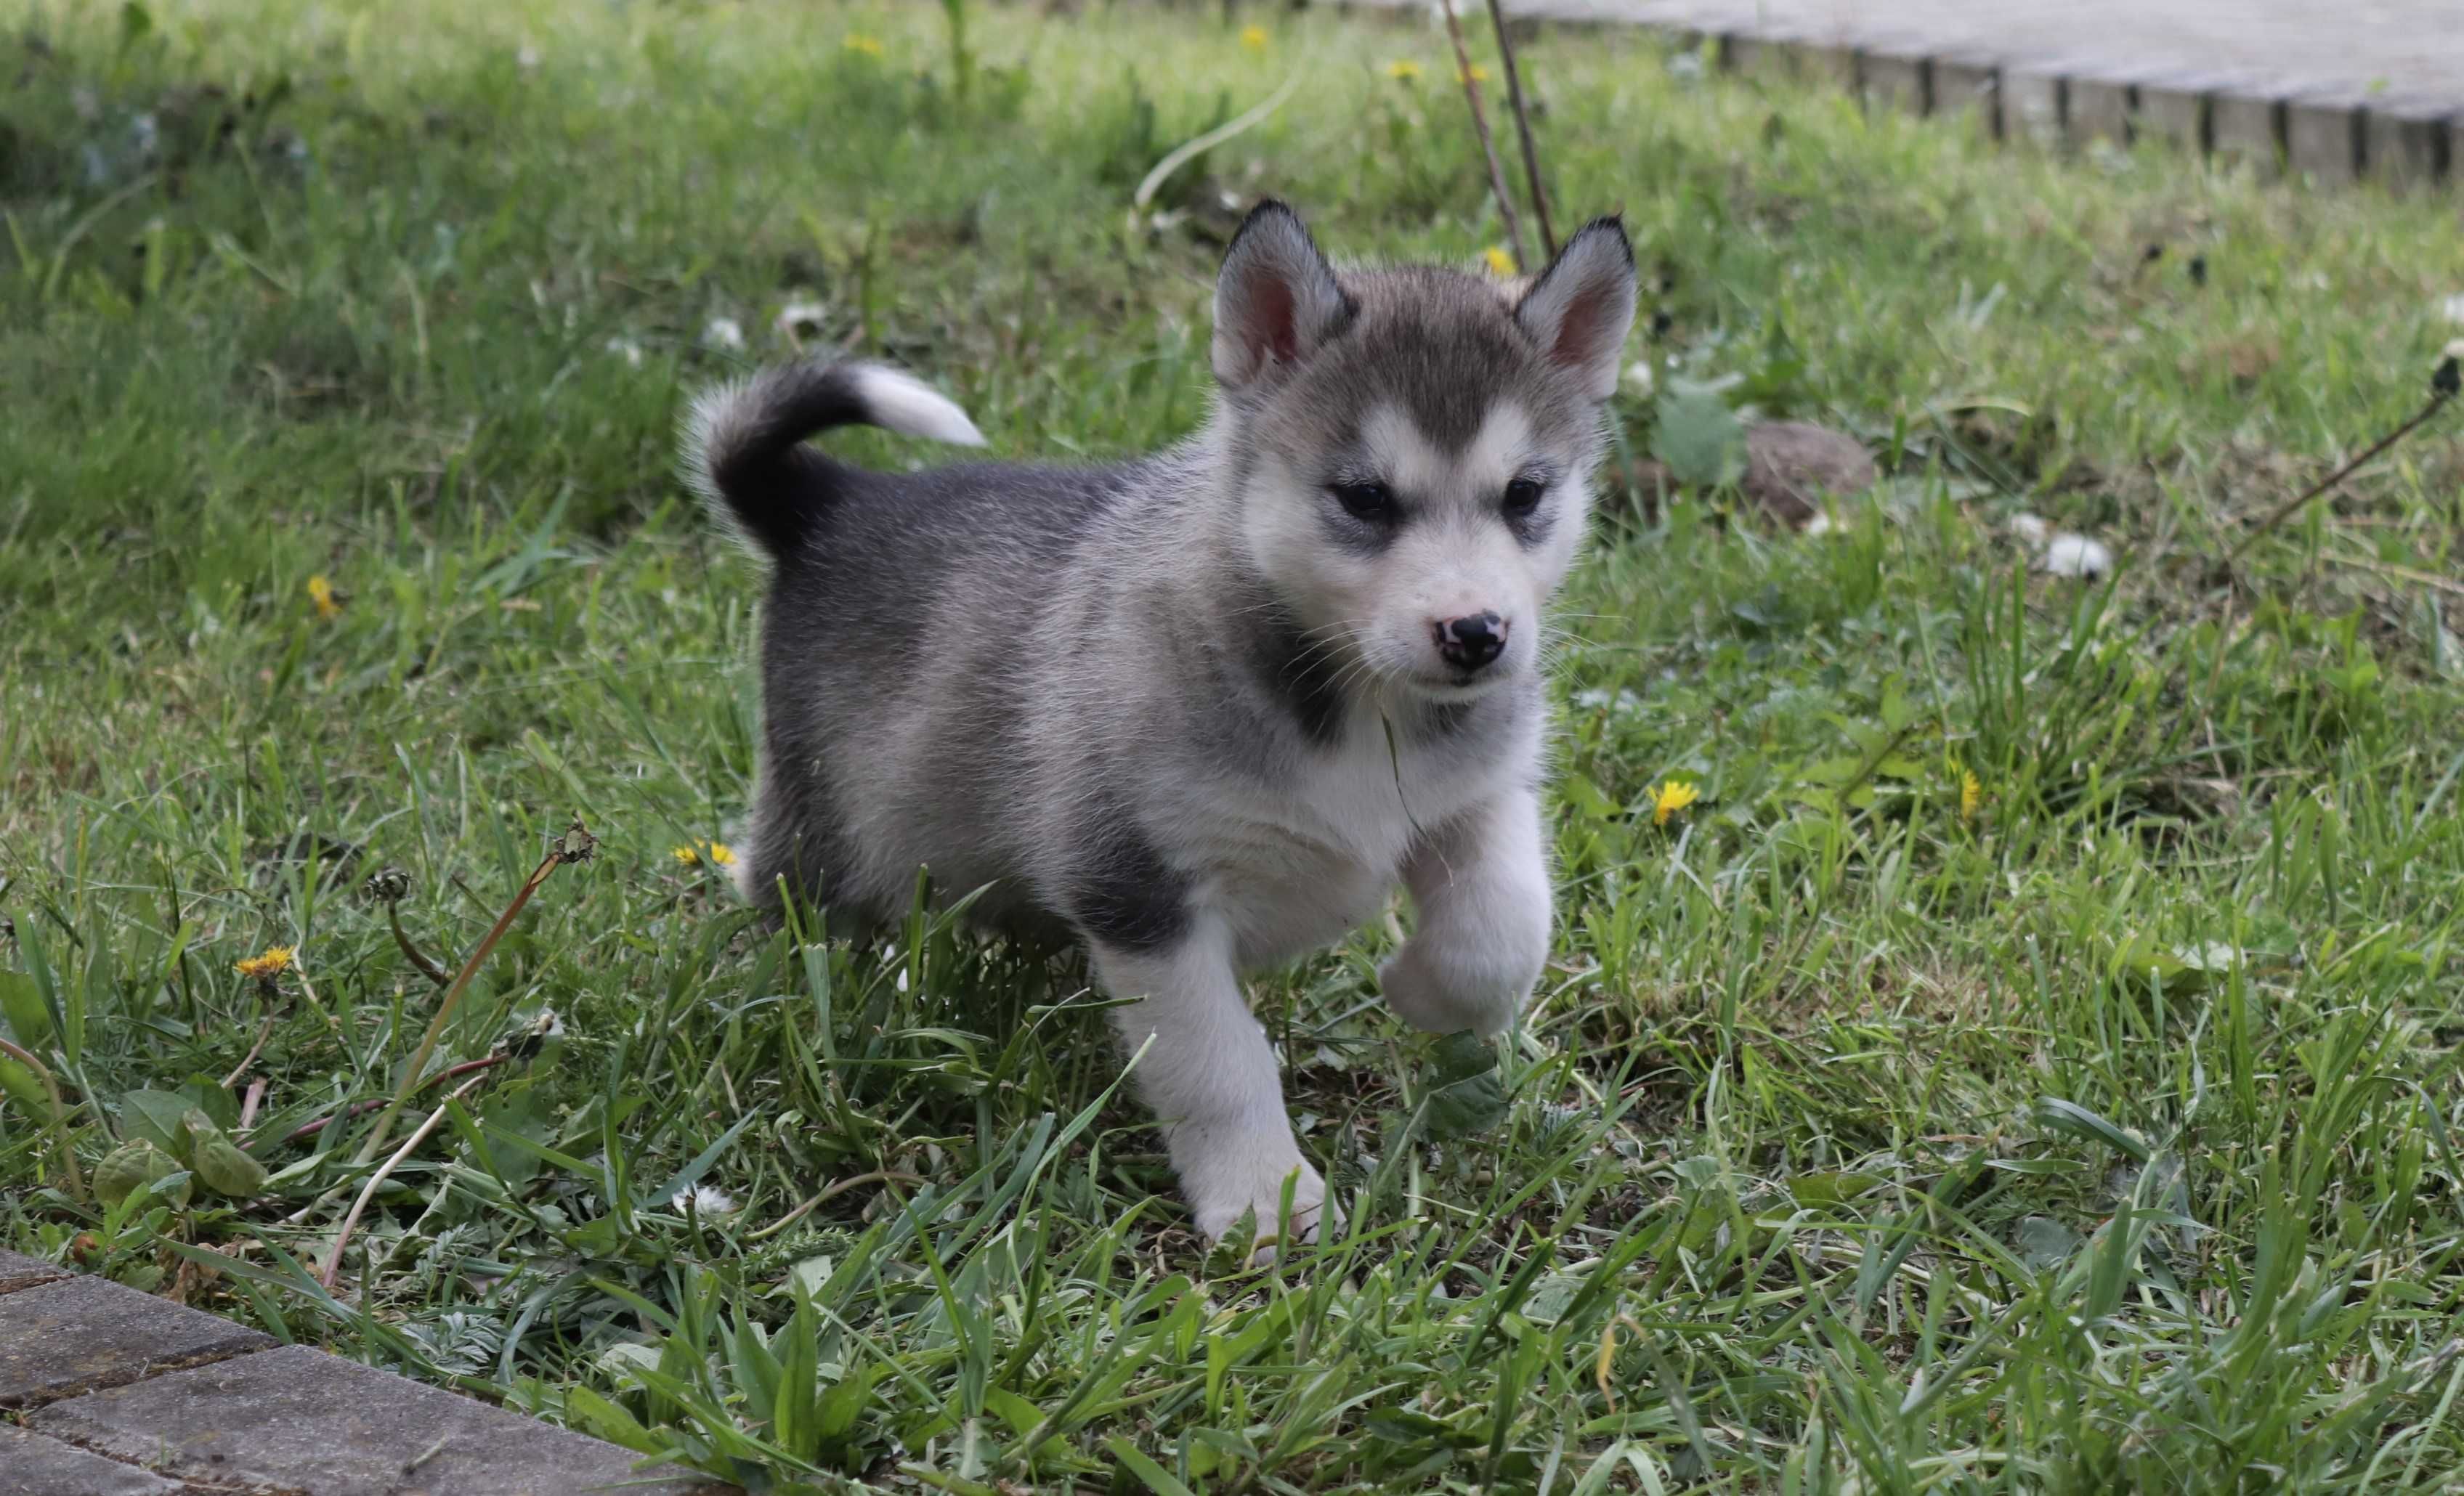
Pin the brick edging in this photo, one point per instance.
(172, 1400)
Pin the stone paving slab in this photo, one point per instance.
(17, 1272)
(297, 1420)
(2403, 56)
(34, 1465)
(2334, 91)
(58, 1339)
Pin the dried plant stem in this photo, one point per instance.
(426, 968)
(59, 1120)
(1487, 146)
(1523, 129)
(362, 1109)
(368, 1191)
(2439, 396)
(573, 846)
(254, 1050)
(828, 1192)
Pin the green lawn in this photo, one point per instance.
(2087, 1125)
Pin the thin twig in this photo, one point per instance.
(59, 1115)
(361, 1109)
(1180, 156)
(1488, 148)
(254, 1050)
(575, 845)
(831, 1191)
(2441, 391)
(1523, 128)
(248, 1107)
(368, 1192)
(426, 968)
(2411, 574)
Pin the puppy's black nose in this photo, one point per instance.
(1472, 642)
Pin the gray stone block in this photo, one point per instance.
(2245, 129)
(58, 1339)
(18, 1272)
(1960, 88)
(1893, 82)
(32, 1465)
(2172, 117)
(2031, 108)
(1789, 61)
(299, 1419)
(2320, 141)
(2097, 112)
(2407, 152)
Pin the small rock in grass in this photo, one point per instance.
(1790, 466)
(2076, 556)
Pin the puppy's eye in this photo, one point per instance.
(1364, 500)
(1522, 496)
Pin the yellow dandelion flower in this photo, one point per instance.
(867, 46)
(1670, 798)
(1475, 74)
(271, 962)
(690, 856)
(721, 855)
(1403, 70)
(1254, 37)
(1500, 263)
(718, 854)
(1972, 794)
(322, 593)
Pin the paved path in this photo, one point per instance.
(2400, 55)
(117, 1392)
(2339, 87)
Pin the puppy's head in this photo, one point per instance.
(1414, 450)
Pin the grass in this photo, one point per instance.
(2031, 1064)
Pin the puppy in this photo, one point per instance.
(1204, 710)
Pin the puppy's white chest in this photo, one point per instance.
(1317, 857)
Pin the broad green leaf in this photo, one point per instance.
(2045, 1243)
(23, 1087)
(1467, 1099)
(22, 1012)
(158, 1116)
(1699, 437)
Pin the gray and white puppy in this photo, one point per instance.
(1201, 711)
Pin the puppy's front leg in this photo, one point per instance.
(1480, 883)
(1211, 1077)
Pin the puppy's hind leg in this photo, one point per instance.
(1211, 1076)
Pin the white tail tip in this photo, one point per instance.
(900, 403)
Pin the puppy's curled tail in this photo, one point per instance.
(743, 442)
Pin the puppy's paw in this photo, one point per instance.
(1238, 1184)
(1484, 1001)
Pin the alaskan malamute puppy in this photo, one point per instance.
(1201, 711)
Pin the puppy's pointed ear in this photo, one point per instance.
(1582, 306)
(1276, 300)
